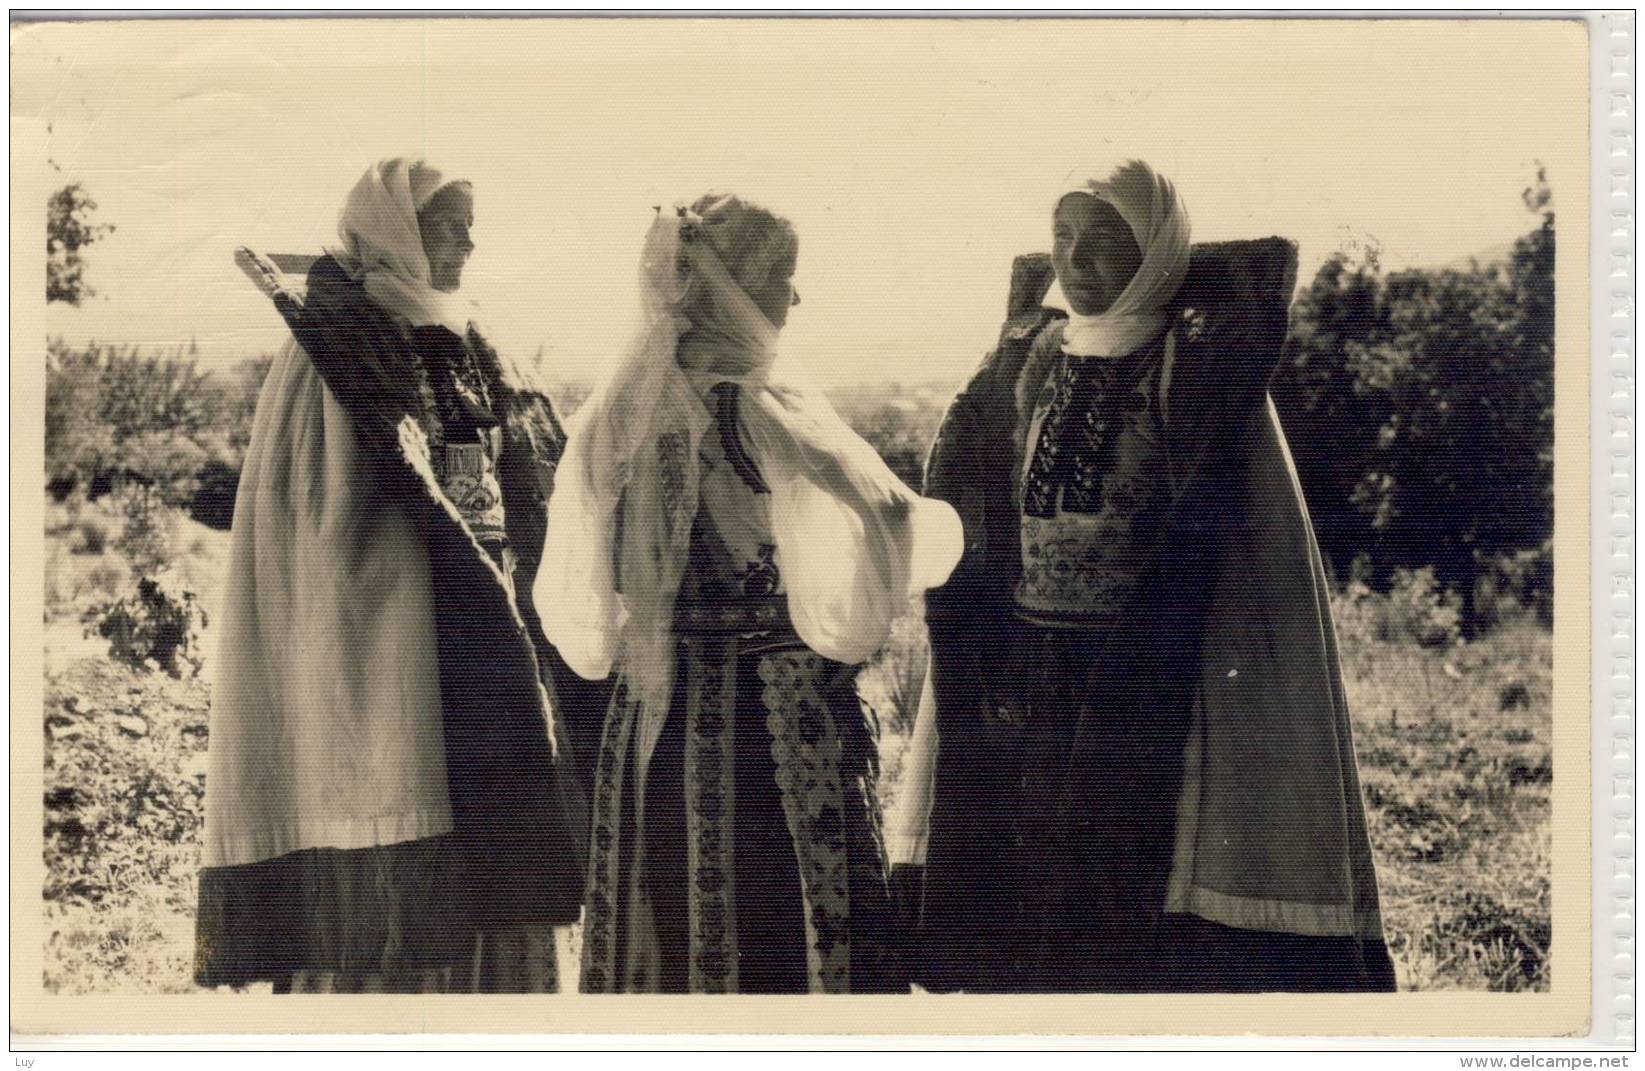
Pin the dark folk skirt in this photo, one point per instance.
(398, 918)
(1015, 900)
(513, 864)
(758, 864)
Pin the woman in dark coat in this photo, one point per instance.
(392, 803)
(1137, 767)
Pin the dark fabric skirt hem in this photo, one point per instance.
(398, 909)
(1184, 954)
(1210, 957)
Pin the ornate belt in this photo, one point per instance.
(740, 614)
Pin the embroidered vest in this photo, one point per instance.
(470, 439)
(731, 582)
(1094, 486)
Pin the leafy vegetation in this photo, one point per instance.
(1419, 406)
(69, 229)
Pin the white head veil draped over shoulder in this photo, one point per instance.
(1151, 208)
(854, 544)
(381, 243)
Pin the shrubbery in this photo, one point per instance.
(116, 567)
(898, 425)
(116, 416)
(1413, 610)
(156, 625)
(1419, 407)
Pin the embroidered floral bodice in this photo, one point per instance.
(733, 556)
(470, 441)
(1093, 488)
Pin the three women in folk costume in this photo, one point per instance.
(1131, 766)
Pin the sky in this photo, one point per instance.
(916, 158)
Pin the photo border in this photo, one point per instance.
(1586, 832)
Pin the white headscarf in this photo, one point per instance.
(1150, 207)
(382, 244)
(854, 544)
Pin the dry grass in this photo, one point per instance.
(1456, 761)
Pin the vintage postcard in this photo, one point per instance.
(1039, 526)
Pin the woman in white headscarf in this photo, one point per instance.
(1133, 766)
(391, 802)
(725, 543)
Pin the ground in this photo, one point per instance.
(1453, 742)
(1456, 762)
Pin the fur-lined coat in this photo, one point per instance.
(1246, 792)
(384, 677)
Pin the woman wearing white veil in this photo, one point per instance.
(721, 539)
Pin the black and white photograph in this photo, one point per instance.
(928, 508)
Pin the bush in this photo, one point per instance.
(216, 486)
(157, 392)
(79, 441)
(125, 755)
(156, 624)
(1414, 610)
(94, 536)
(169, 463)
(899, 429)
(1417, 609)
(146, 540)
(137, 601)
(1419, 406)
(1515, 582)
(115, 415)
(99, 584)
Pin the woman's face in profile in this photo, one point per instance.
(778, 295)
(1093, 252)
(445, 222)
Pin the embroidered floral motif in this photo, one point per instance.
(468, 477)
(1084, 408)
(1094, 491)
(713, 573)
(711, 716)
(672, 449)
(599, 966)
(1079, 566)
(717, 594)
(808, 751)
(761, 614)
(465, 433)
(428, 417)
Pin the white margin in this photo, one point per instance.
(1614, 414)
